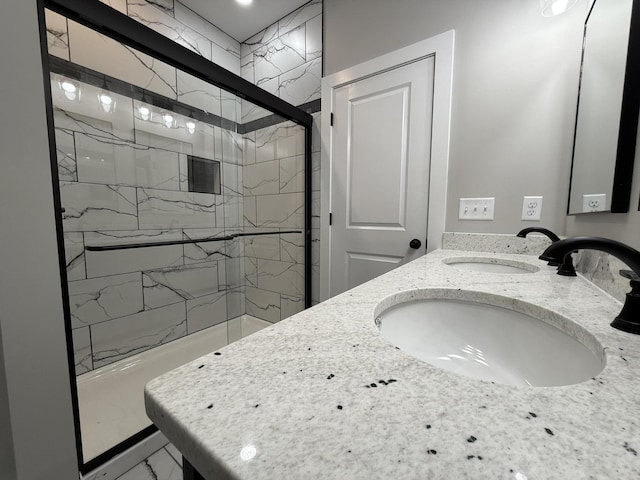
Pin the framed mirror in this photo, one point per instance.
(607, 112)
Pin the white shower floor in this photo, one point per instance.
(111, 399)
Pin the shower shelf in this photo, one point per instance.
(125, 246)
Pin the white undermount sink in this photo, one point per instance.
(490, 265)
(489, 342)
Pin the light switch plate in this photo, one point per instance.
(476, 208)
(532, 209)
(596, 202)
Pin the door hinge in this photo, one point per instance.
(331, 119)
(330, 219)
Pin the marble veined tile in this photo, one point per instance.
(281, 277)
(290, 305)
(170, 285)
(57, 36)
(316, 159)
(249, 149)
(263, 304)
(301, 15)
(314, 38)
(236, 304)
(97, 207)
(233, 212)
(280, 55)
(101, 299)
(234, 268)
(163, 23)
(101, 160)
(198, 93)
(251, 111)
(114, 262)
(159, 466)
(126, 336)
(292, 247)
(88, 117)
(228, 105)
(262, 178)
(120, 5)
(259, 40)
(120, 61)
(247, 68)
(74, 256)
(262, 246)
(206, 311)
(279, 141)
(232, 144)
(251, 272)
(284, 210)
(164, 209)
(250, 212)
(166, 6)
(232, 179)
(302, 84)
(176, 135)
(292, 174)
(204, 251)
(66, 153)
(82, 350)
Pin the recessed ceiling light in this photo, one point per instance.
(245, 3)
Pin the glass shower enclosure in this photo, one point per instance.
(183, 197)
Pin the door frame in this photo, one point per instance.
(441, 47)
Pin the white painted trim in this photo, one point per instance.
(442, 47)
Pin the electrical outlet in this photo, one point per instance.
(476, 208)
(532, 209)
(596, 202)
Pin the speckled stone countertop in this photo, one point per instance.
(297, 400)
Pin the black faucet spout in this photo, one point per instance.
(629, 318)
(566, 265)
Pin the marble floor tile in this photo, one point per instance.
(159, 466)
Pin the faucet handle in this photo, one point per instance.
(631, 275)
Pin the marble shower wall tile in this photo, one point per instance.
(127, 336)
(302, 84)
(280, 55)
(57, 35)
(130, 65)
(300, 16)
(285, 59)
(101, 160)
(101, 299)
(74, 256)
(163, 287)
(66, 153)
(120, 5)
(225, 50)
(290, 305)
(98, 207)
(206, 311)
(86, 116)
(263, 304)
(292, 247)
(292, 174)
(266, 247)
(233, 212)
(132, 260)
(281, 277)
(279, 141)
(262, 178)
(204, 251)
(159, 209)
(162, 21)
(198, 93)
(82, 350)
(283, 210)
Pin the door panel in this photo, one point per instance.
(378, 129)
(380, 172)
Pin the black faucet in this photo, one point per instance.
(629, 318)
(566, 264)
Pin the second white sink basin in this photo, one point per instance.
(489, 342)
(490, 265)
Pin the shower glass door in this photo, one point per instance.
(184, 212)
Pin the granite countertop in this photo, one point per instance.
(296, 400)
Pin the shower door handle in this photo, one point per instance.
(415, 244)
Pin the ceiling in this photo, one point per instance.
(243, 22)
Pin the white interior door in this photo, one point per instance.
(380, 172)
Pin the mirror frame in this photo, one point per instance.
(628, 127)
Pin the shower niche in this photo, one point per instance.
(184, 209)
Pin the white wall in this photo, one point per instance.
(31, 318)
(514, 93)
(7, 464)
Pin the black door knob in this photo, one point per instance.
(415, 244)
